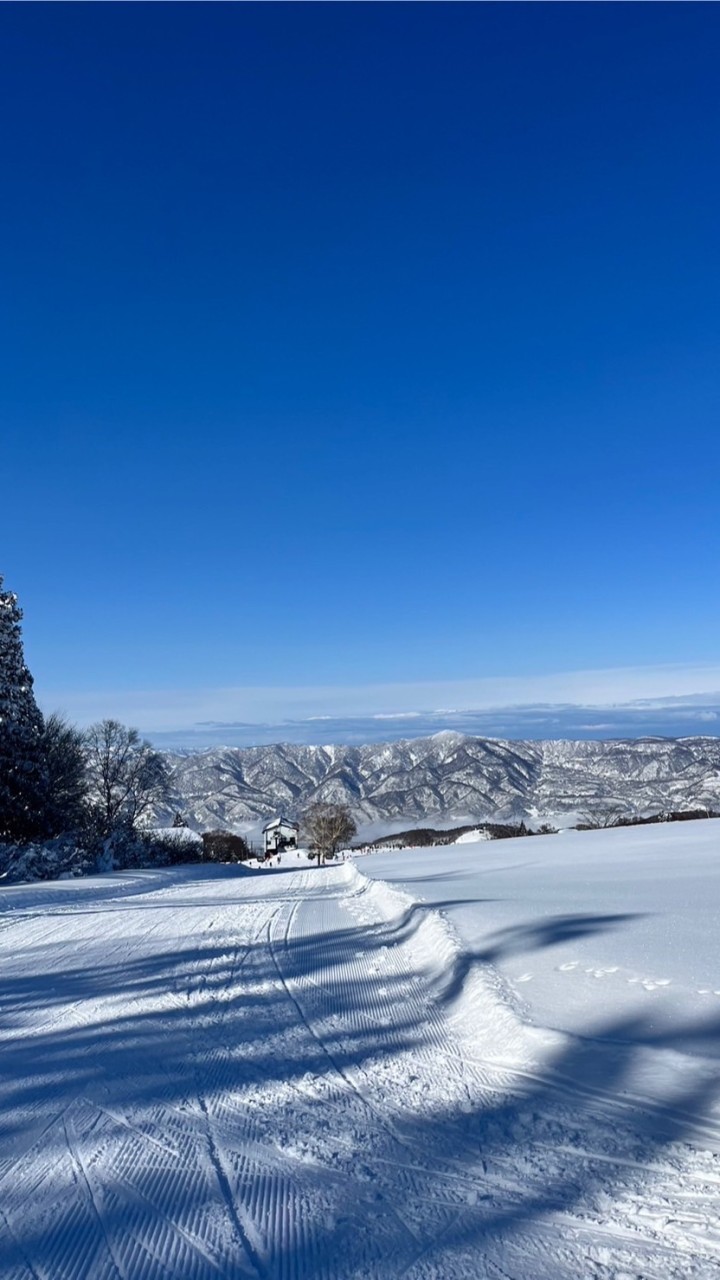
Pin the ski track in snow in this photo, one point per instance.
(288, 1076)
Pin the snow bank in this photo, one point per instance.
(472, 837)
(479, 1004)
(608, 936)
(50, 860)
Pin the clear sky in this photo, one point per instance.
(355, 346)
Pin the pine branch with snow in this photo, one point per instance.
(23, 771)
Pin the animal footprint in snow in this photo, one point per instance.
(567, 968)
(524, 977)
(651, 983)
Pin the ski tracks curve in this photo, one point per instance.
(256, 1076)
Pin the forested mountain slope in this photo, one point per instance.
(448, 775)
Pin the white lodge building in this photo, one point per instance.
(280, 834)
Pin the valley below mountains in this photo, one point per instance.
(448, 776)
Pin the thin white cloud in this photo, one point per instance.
(397, 715)
(163, 711)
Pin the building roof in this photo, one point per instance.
(281, 822)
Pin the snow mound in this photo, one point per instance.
(181, 835)
(472, 837)
(481, 1008)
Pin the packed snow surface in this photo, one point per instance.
(596, 932)
(307, 1073)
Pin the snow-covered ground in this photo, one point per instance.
(303, 1073)
(595, 932)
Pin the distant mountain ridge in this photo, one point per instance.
(449, 775)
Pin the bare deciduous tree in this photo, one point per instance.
(126, 775)
(327, 827)
(64, 751)
(600, 819)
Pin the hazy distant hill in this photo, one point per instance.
(449, 775)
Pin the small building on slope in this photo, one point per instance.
(280, 834)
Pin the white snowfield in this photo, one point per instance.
(297, 1074)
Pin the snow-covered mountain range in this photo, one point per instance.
(446, 776)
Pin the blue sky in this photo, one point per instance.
(358, 347)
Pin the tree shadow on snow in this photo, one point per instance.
(143, 1094)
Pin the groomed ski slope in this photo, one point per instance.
(296, 1074)
(612, 935)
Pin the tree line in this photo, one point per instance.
(76, 800)
(95, 785)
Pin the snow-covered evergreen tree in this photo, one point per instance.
(23, 773)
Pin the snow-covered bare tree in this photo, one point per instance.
(64, 752)
(327, 828)
(125, 775)
(599, 819)
(23, 773)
